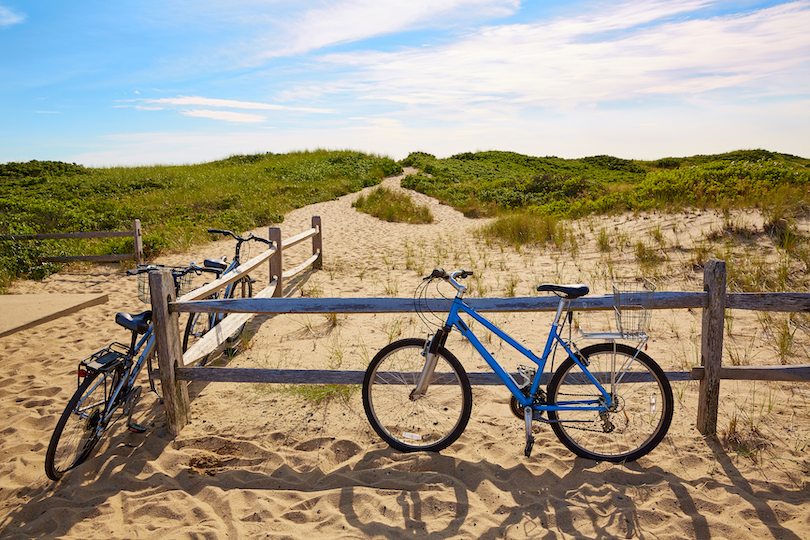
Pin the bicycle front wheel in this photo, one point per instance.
(431, 422)
(77, 431)
(637, 420)
(240, 289)
(196, 327)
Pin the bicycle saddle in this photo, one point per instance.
(568, 291)
(137, 323)
(218, 264)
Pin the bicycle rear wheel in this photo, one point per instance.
(77, 432)
(642, 410)
(430, 423)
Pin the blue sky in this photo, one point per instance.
(172, 82)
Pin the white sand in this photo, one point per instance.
(255, 463)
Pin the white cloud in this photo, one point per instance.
(621, 54)
(701, 128)
(232, 104)
(352, 20)
(228, 116)
(8, 17)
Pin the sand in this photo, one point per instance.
(256, 462)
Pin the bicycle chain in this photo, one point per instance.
(571, 426)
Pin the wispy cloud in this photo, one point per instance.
(8, 17)
(226, 109)
(228, 116)
(353, 20)
(633, 51)
(231, 104)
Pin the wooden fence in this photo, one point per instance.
(713, 300)
(135, 233)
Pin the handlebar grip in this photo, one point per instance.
(437, 273)
(466, 273)
(219, 231)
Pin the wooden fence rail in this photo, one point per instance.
(135, 233)
(713, 301)
(227, 326)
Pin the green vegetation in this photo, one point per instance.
(176, 204)
(511, 185)
(486, 183)
(394, 206)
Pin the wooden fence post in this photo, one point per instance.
(317, 243)
(274, 235)
(711, 345)
(169, 351)
(138, 237)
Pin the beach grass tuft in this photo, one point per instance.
(393, 206)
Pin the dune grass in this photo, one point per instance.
(176, 204)
(393, 206)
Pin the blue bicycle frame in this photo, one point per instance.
(554, 339)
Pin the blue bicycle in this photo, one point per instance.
(606, 402)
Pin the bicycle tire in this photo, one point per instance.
(75, 434)
(431, 423)
(243, 288)
(197, 326)
(634, 427)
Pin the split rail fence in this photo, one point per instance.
(135, 233)
(713, 300)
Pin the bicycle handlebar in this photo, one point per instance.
(439, 273)
(250, 236)
(175, 270)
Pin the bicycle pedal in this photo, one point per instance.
(528, 450)
(136, 428)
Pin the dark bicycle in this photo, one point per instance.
(106, 389)
(200, 323)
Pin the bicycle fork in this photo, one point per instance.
(431, 354)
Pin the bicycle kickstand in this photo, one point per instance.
(132, 399)
(527, 413)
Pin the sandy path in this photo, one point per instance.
(256, 463)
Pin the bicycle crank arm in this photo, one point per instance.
(527, 413)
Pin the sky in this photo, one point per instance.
(148, 82)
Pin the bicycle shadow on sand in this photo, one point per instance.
(375, 492)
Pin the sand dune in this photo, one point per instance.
(258, 463)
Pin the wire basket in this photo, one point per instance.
(182, 285)
(631, 302)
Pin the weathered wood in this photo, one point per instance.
(276, 270)
(404, 305)
(90, 258)
(711, 345)
(135, 233)
(167, 345)
(217, 335)
(317, 243)
(759, 373)
(226, 279)
(300, 268)
(298, 238)
(785, 302)
(137, 236)
(327, 376)
(68, 236)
